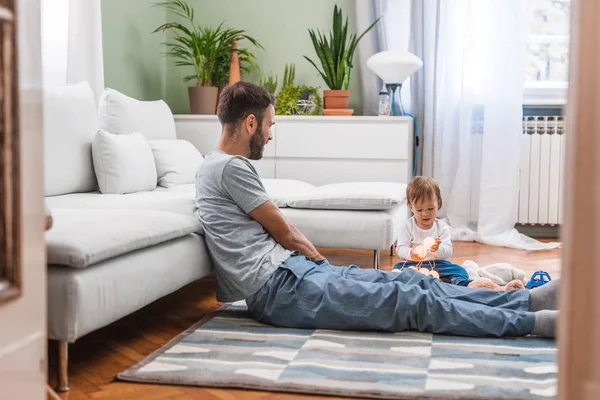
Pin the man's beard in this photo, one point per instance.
(257, 146)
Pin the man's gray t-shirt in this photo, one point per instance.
(244, 254)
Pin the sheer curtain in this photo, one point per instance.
(373, 42)
(468, 101)
(72, 43)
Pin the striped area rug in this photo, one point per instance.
(229, 349)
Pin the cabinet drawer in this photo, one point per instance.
(265, 168)
(204, 135)
(351, 139)
(322, 172)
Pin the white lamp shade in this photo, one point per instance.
(394, 67)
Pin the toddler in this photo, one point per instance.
(424, 200)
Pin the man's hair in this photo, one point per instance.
(423, 188)
(241, 99)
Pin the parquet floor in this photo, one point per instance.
(97, 357)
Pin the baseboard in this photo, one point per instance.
(540, 232)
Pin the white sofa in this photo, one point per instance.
(111, 254)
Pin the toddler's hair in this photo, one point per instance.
(423, 188)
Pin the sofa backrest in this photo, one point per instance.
(122, 114)
(70, 124)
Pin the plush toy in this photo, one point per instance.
(500, 276)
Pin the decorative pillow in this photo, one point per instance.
(280, 190)
(123, 163)
(352, 196)
(122, 114)
(70, 123)
(177, 161)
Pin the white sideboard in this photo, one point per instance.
(322, 149)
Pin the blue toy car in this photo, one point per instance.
(539, 278)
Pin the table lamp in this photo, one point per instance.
(393, 68)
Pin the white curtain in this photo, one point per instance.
(72, 43)
(468, 101)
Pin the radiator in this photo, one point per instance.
(541, 173)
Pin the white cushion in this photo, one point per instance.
(122, 114)
(280, 190)
(161, 199)
(123, 163)
(352, 196)
(80, 238)
(348, 229)
(70, 123)
(177, 161)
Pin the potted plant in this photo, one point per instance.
(297, 100)
(269, 83)
(208, 51)
(335, 54)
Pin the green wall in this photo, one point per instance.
(133, 61)
(132, 54)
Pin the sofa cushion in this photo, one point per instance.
(351, 196)
(122, 114)
(161, 199)
(70, 123)
(82, 237)
(347, 229)
(280, 190)
(177, 161)
(123, 163)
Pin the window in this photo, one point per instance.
(546, 71)
(55, 25)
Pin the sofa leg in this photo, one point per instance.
(376, 259)
(63, 360)
(392, 250)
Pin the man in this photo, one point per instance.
(262, 258)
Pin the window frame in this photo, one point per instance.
(546, 93)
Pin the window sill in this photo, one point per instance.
(544, 102)
(545, 94)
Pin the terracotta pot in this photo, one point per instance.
(203, 99)
(335, 99)
(234, 64)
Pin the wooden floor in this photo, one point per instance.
(97, 357)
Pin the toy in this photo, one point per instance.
(539, 278)
(422, 251)
(499, 276)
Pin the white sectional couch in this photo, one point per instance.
(111, 254)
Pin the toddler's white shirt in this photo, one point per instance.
(411, 236)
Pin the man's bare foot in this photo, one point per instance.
(515, 284)
(483, 283)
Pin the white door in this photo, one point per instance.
(23, 318)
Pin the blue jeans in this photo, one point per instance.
(449, 272)
(305, 294)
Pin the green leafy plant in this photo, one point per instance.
(269, 83)
(298, 100)
(289, 74)
(336, 52)
(206, 49)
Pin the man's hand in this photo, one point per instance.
(284, 233)
(436, 246)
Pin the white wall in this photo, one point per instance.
(23, 321)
